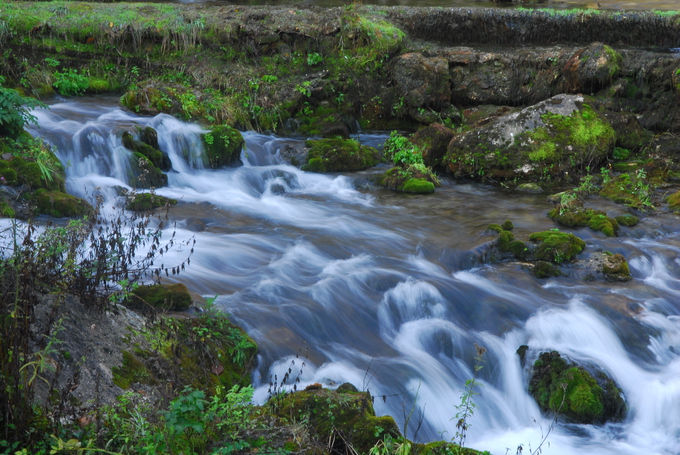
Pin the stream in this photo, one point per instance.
(391, 291)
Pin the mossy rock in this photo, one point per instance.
(409, 179)
(418, 186)
(223, 146)
(555, 246)
(674, 201)
(58, 204)
(571, 212)
(339, 155)
(143, 174)
(557, 137)
(154, 155)
(131, 372)
(160, 297)
(495, 228)
(349, 413)
(570, 391)
(8, 176)
(615, 267)
(507, 225)
(142, 202)
(543, 269)
(627, 220)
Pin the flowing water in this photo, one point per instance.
(390, 292)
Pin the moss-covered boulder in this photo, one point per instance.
(58, 204)
(543, 269)
(555, 246)
(154, 155)
(433, 142)
(609, 266)
(348, 413)
(409, 179)
(161, 297)
(572, 392)
(223, 145)
(339, 155)
(142, 202)
(143, 174)
(558, 137)
(571, 212)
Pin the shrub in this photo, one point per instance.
(15, 111)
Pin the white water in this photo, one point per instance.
(390, 292)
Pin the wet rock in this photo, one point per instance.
(630, 134)
(529, 187)
(423, 81)
(627, 220)
(294, 153)
(570, 211)
(432, 141)
(154, 155)
(590, 69)
(223, 145)
(143, 174)
(674, 201)
(141, 202)
(559, 136)
(570, 391)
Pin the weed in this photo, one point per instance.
(466, 408)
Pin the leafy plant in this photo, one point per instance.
(466, 408)
(314, 59)
(15, 111)
(70, 82)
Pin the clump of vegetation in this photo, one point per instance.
(570, 211)
(555, 246)
(223, 146)
(410, 175)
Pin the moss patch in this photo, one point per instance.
(132, 371)
(555, 246)
(327, 410)
(58, 204)
(141, 202)
(418, 186)
(339, 155)
(161, 297)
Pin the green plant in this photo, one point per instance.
(466, 408)
(314, 59)
(305, 88)
(15, 111)
(401, 151)
(70, 82)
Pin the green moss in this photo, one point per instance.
(97, 85)
(161, 297)
(141, 202)
(132, 371)
(495, 227)
(627, 220)
(504, 240)
(223, 146)
(8, 176)
(507, 225)
(339, 155)
(674, 201)
(608, 226)
(518, 249)
(571, 391)
(350, 413)
(555, 246)
(543, 269)
(58, 204)
(418, 186)
(631, 190)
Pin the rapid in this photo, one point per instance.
(391, 292)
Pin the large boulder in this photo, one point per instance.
(58, 204)
(560, 136)
(572, 392)
(590, 69)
